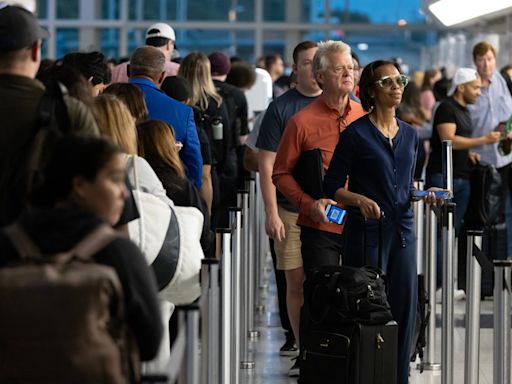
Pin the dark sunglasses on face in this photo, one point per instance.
(388, 81)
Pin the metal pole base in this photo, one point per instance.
(247, 365)
(254, 335)
(432, 367)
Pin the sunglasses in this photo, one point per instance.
(388, 81)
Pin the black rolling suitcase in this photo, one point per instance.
(347, 332)
(353, 353)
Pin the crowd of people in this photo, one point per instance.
(180, 131)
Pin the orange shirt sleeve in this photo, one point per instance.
(288, 153)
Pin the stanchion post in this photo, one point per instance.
(235, 215)
(431, 359)
(225, 306)
(502, 286)
(448, 324)
(419, 220)
(473, 282)
(188, 316)
(251, 262)
(448, 241)
(210, 321)
(243, 202)
(260, 256)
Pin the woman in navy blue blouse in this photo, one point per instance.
(377, 155)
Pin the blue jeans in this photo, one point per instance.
(461, 192)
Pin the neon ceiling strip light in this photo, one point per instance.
(451, 12)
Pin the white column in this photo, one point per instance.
(89, 37)
(51, 13)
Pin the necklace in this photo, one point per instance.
(389, 134)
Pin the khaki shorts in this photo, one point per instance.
(288, 251)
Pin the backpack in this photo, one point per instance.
(52, 122)
(486, 206)
(63, 315)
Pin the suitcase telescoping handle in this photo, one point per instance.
(379, 249)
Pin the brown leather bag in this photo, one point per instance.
(62, 316)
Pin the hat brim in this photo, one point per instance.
(452, 89)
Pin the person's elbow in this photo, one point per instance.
(250, 160)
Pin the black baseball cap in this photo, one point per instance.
(19, 28)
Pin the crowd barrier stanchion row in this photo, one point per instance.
(473, 282)
(213, 335)
(502, 286)
(210, 316)
(448, 238)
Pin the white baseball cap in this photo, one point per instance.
(462, 76)
(161, 30)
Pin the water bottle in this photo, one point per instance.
(217, 127)
(505, 145)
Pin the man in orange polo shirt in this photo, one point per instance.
(318, 126)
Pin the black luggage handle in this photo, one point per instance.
(379, 258)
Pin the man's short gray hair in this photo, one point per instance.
(147, 61)
(325, 49)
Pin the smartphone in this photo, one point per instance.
(335, 214)
(444, 195)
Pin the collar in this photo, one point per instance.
(334, 111)
(21, 80)
(142, 81)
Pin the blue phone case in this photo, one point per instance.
(439, 194)
(335, 214)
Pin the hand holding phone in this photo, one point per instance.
(335, 214)
(440, 195)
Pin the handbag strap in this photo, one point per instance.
(379, 249)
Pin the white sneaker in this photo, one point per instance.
(458, 295)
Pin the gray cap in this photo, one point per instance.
(19, 29)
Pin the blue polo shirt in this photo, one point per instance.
(181, 118)
(376, 170)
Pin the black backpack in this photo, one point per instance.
(26, 179)
(486, 203)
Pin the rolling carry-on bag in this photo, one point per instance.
(351, 354)
(348, 335)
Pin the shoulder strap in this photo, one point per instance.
(94, 242)
(84, 250)
(22, 242)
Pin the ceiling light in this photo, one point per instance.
(451, 12)
(362, 46)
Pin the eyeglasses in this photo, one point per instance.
(388, 81)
